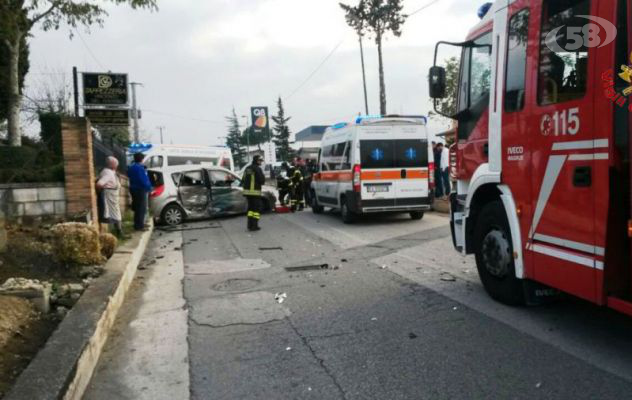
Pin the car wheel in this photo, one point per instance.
(316, 209)
(416, 215)
(172, 215)
(494, 256)
(347, 216)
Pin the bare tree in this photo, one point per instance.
(19, 17)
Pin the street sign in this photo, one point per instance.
(104, 89)
(260, 120)
(108, 117)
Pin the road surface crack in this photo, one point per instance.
(204, 324)
(321, 362)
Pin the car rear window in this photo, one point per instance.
(403, 153)
(155, 178)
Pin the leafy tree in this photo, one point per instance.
(233, 139)
(282, 133)
(254, 139)
(17, 20)
(4, 75)
(448, 104)
(116, 134)
(377, 18)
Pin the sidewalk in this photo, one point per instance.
(147, 354)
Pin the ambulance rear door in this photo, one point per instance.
(411, 159)
(379, 170)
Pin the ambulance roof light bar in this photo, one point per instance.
(139, 147)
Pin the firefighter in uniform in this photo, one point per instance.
(252, 181)
(296, 189)
(283, 183)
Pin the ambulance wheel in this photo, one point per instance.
(316, 209)
(494, 256)
(172, 215)
(416, 215)
(347, 216)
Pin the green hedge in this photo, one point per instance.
(32, 162)
(54, 173)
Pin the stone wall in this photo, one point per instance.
(21, 201)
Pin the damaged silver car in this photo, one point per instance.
(190, 192)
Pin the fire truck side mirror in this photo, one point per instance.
(437, 82)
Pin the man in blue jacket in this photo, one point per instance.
(139, 187)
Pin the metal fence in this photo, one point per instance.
(102, 149)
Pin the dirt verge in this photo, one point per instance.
(23, 331)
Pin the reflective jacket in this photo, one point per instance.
(253, 180)
(296, 177)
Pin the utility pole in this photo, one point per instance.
(75, 91)
(161, 128)
(135, 110)
(366, 101)
(247, 138)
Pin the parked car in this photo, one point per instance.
(194, 192)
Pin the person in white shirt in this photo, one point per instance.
(110, 186)
(445, 170)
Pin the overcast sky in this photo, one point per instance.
(198, 59)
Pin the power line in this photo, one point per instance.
(184, 117)
(310, 76)
(89, 50)
(423, 8)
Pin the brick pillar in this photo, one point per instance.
(81, 196)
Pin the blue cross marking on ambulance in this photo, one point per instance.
(377, 154)
(411, 154)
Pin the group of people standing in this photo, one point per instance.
(108, 187)
(442, 170)
(293, 184)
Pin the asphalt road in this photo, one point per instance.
(396, 315)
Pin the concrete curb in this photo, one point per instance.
(64, 367)
(441, 206)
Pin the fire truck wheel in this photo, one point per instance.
(494, 256)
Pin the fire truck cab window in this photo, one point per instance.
(563, 67)
(475, 84)
(516, 61)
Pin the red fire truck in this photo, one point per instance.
(542, 156)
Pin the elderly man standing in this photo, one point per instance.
(109, 184)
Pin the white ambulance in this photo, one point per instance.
(377, 164)
(165, 155)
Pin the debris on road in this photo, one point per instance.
(308, 267)
(343, 260)
(374, 319)
(455, 308)
(538, 385)
(447, 277)
(280, 297)
(411, 335)
(288, 348)
(383, 267)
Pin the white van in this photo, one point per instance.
(163, 155)
(375, 165)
